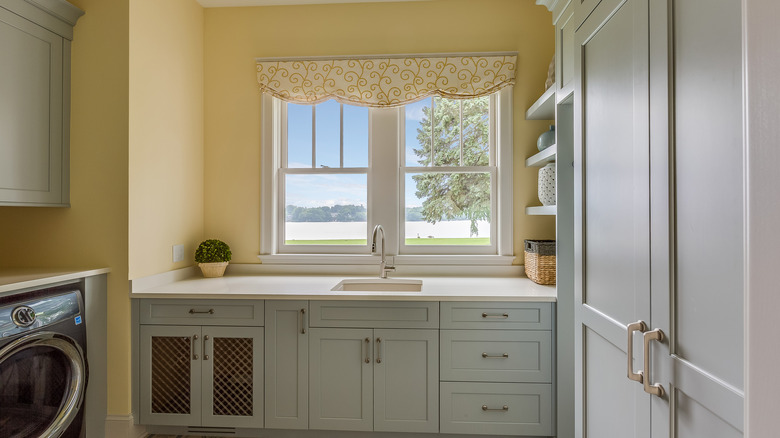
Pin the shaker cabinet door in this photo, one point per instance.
(287, 365)
(406, 380)
(341, 379)
(31, 113)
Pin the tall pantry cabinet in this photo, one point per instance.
(658, 218)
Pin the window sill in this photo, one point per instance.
(452, 265)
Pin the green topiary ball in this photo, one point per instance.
(213, 251)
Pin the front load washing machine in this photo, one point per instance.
(43, 365)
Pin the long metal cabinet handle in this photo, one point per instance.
(654, 335)
(303, 321)
(503, 408)
(368, 349)
(495, 356)
(631, 328)
(192, 345)
(487, 315)
(378, 350)
(193, 311)
(205, 355)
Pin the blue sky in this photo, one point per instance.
(329, 190)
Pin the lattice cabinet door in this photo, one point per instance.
(170, 375)
(233, 376)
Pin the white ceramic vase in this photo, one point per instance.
(546, 184)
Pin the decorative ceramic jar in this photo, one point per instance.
(547, 139)
(546, 185)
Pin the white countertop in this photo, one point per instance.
(16, 279)
(311, 287)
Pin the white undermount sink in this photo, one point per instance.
(379, 285)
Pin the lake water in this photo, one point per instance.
(359, 230)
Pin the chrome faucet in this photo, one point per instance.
(383, 268)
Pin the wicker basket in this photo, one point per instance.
(211, 270)
(540, 261)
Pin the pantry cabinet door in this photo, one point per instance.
(341, 379)
(170, 370)
(406, 380)
(698, 197)
(233, 377)
(611, 217)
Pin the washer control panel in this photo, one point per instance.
(33, 311)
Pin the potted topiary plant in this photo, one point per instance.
(212, 257)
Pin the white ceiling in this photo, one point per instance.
(234, 3)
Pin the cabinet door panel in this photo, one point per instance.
(233, 376)
(340, 379)
(287, 365)
(611, 226)
(31, 127)
(698, 277)
(406, 380)
(170, 370)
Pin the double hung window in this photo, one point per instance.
(436, 174)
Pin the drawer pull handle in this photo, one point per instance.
(495, 356)
(501, 409)
(502, 316)
(193, 311)
(205, 355)
(378, 351)
(368, 349)
(303, 321)
(192, 346)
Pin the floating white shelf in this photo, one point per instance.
(541, 210)
(544, 107)
(541, 158)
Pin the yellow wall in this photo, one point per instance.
(143, 141)
(236, 36)
(93, 232)
(166, 134)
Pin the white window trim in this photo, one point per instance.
(502, 256)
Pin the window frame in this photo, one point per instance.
(385, 135)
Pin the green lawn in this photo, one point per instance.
(412, 241)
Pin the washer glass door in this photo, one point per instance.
(42, 379)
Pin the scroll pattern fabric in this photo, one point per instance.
(385, 82)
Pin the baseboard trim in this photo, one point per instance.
(123, 426)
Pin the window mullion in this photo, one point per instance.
(433, 136)
(460, 129)
(341, 135)
(313, 137)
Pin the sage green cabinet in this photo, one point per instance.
(286, 365)
(341, 379)
(201, 376)
(35, 105)
(374, 365)
(374, 379)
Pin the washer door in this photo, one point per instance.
(42, 382)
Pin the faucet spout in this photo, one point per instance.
(383, 268)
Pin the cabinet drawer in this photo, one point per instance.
(496, 408)
(496, 356)
(202, 312)
(374, 314)
(493, 315)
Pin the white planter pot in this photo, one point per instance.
(213, 269)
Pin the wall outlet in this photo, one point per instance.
(178, 253)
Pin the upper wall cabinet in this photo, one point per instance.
(35, 38)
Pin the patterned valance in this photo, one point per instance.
(385, 81)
